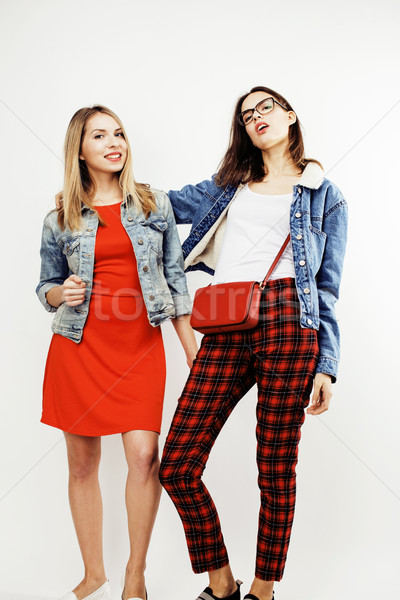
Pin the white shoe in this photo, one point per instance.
(123, 587)
(102, 593)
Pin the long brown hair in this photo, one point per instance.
(243, 162)
(79, 187)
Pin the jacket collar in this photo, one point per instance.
(312, 176)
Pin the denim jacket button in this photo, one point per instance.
(130, 218)
(306, 290)
(302, 263)
(299, 190)
(151, 297)
(298, 214)
(309, 322)
(140, 241)
(299, 236)
(145, 268)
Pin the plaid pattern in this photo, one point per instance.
(281, 358)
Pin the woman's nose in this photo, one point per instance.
(112, 142)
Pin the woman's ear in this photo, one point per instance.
(292, 117)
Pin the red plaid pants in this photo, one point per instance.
(280, 357)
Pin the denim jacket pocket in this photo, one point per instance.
(71, 249)
(317, 241)
(156, 224)
(155, 233)
(70, 246)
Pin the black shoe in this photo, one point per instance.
(207, 594)
(253, 597)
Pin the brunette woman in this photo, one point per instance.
(112, 272)
(265, 189)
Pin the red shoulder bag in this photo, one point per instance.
(230, 306)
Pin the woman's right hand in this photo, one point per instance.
(73, 290)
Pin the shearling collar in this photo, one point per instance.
(312, 176)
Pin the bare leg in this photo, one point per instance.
(222, 582)
(86, 508)
(262, 589)
(142, 496)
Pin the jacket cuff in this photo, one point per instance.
(41, 292)
(183, 305)
(327, 365)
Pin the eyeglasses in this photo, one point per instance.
(263, 107)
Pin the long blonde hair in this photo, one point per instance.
(79, 187)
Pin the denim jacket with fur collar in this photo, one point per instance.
(318, 228)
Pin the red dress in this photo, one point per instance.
(114, 379)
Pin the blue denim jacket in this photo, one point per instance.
(318, 228)
(158, 254)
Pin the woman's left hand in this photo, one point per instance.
(322, 394)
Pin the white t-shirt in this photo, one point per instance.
(256, 227)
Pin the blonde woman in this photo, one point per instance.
(112, 272)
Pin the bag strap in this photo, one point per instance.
(272, 267)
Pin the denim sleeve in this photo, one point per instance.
(328, 283)
(186, 201)
(54, 268)
(173, 264)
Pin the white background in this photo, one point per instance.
(172, 71)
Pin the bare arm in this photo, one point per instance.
(186, 337)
